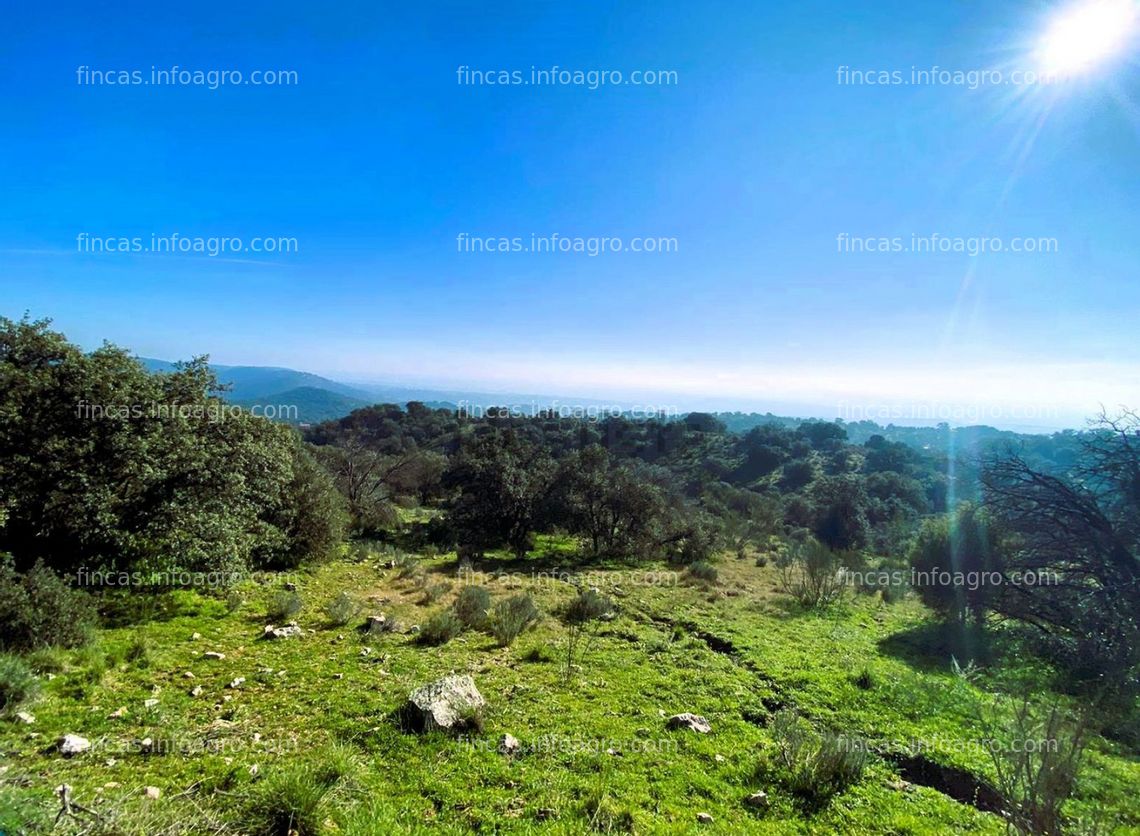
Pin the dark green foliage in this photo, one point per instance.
(103, 463)
(511, 616)
(440, 629)
(472, 606)
(284, 606)
(38, 609)
(840, 521)
(615, 508)
(502, 484)
(17, 682)
(966, 544)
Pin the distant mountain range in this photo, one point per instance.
(303, 398)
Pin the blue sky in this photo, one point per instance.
(753, 162)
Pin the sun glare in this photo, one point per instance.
(1086, 34)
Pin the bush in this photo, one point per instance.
(810, 573)
(283, 607)
(580, 616)
(1037, 780)
(702, 570)
(813, 766)
(17, 682)
(511, 617)
(440, 629)
(38, 609)
(473, 606)
(341, 610)
(137, 653)
(433, 592)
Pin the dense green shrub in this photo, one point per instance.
(473, 606)
(38, 609)
(510, 617)
(17, 682)
(102, 461)
(440, 629)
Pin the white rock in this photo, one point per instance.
(73, 744)
(152, 792)
(25, 718)
(213, 654)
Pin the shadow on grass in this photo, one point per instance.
(931, 647)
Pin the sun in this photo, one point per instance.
(1086, 34)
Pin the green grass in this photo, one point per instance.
(294, 735)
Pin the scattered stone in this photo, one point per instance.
(213, 654)
(692, 722)
(719, 758)
(188, 675)
(25, 718)
(415, 628)
(704, 818)
(151, 703)
(613, 753)
(110, 785)
(254, 769)
(152, 792)
(73, 744)
(146, 745)
(289, 630)
(290, 587)
(449, 703)
(366, 651)
(196, 691)
(118, 713)
(509, 744)
(237, 683)
(758, 800)
(195, 636)
(338, 676)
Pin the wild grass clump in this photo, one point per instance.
(440, 629)
(39, 609)
(511, 617)
(17, 682)
(298, 798)
(702, 570)
(473, 607)
(284, 606)
(138, 653)
(433, 592)
(812, 766)
(341, 610)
